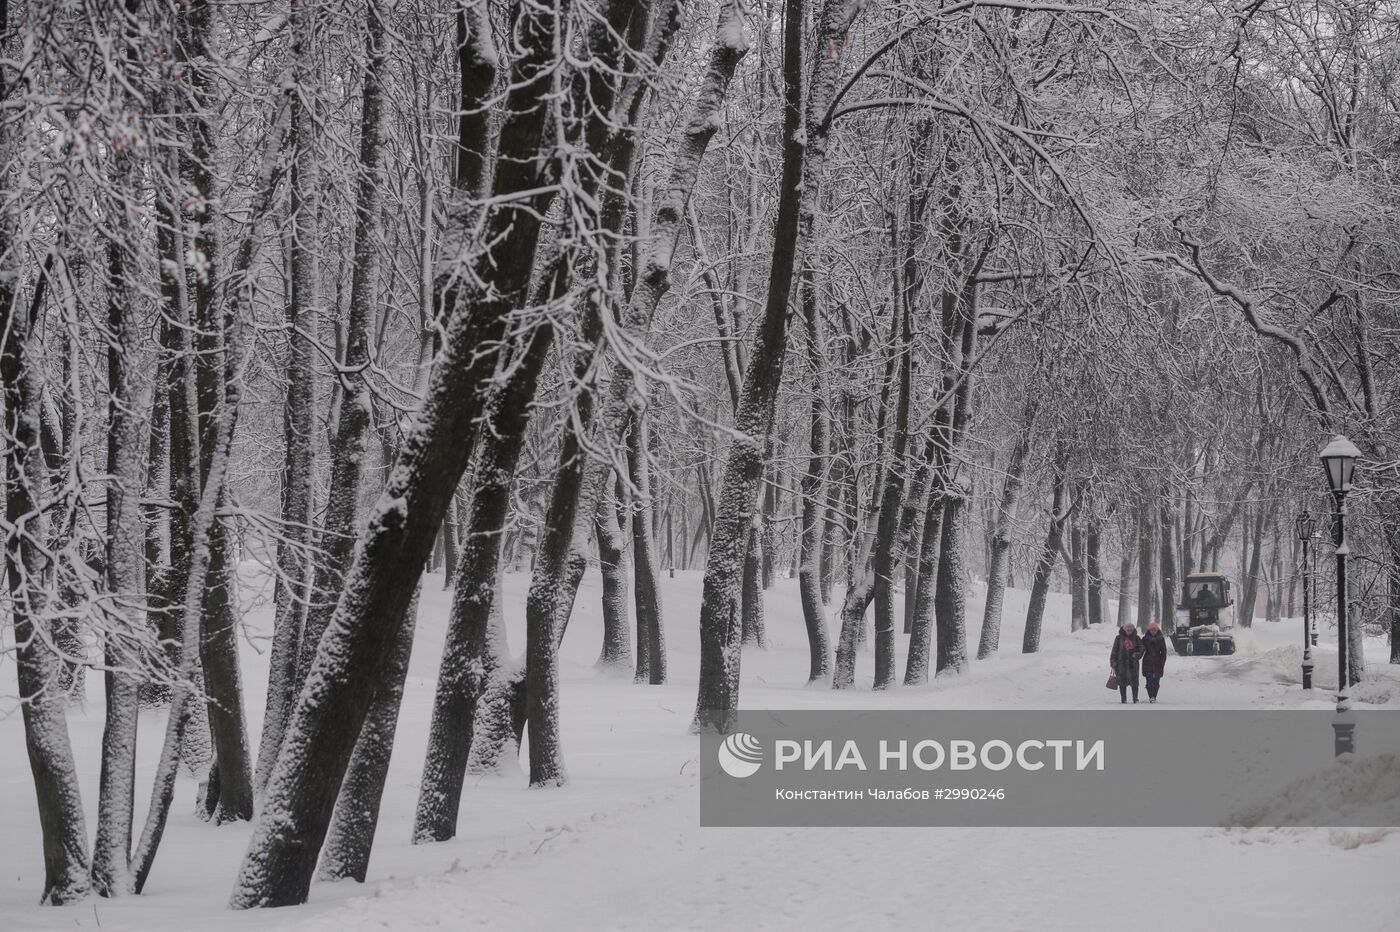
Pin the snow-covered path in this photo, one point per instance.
(621, 848)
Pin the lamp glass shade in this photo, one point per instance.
(1307, 526)
(1339, 462)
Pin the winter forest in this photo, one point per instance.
(890, 324)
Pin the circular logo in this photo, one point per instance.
(740, 755)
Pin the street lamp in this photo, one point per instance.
(1312, 571)
(1307, 527)
(1338, 462)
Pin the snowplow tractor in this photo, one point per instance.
(1205, 619)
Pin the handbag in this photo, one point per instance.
(1112, 681)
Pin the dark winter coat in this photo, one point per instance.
(1154, 657)
(1127, 651)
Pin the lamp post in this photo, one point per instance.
(1312, 571)
(1307, 526)
(1338, 462)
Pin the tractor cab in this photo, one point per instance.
(1205, 617)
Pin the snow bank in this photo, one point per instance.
(1350, 791)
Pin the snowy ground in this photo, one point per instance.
(621, 848)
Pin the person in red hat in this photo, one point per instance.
(1124, 658)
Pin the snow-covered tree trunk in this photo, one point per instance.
(187, 698)
(194, 748)
(126, 567)
(768, 538)
(916, 667)
(1356, 646)
(884, 556)
(468, 656)
(1145, 564)
(646, 576)
(752, 630)
(1054, 537)
(356, 817)
(156, 517)
(1167, 567)
(798, 195)
(1254, 553)
(474, 654)
(809, 567)
(475, 310)
(833, 527)
(1093, 562)
(852, 616)
(617, 99)
(1125, 575)
(652, 283)
(50, 752)
(299, 414)
(230, 786)
(616, 653)
(951, 596)
(188, 703)
(990, 639)
(1077, 564)
(350, 445)
(1392, 540)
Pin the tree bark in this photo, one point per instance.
(1040, 585)
(350, 445)
(1145, 564)
(1078, 577)
(810, 571)
(299, 412)
(1168, 567)
(59, 797)
(990, 639)
(884, 559)
(356, 816)
(474, 311)
(720, 629)
(916, 669)
(646, 579)
(755, 558)
(126, 567)
(1093, 552)
(1125, 572)
(616, 653)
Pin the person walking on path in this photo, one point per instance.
(1123, 660)
(1154, 659)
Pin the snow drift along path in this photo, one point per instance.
(620, 847)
